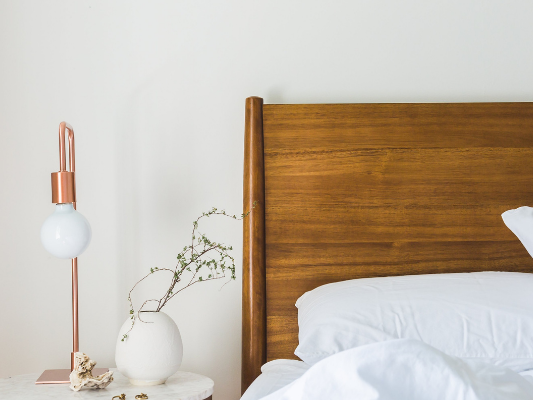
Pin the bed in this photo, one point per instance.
(346, 191)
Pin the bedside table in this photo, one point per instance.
(180, 386)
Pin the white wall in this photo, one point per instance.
(155, 91)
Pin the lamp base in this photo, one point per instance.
(62, 375)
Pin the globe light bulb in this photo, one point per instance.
(66, 233)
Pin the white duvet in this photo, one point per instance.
(404, 369)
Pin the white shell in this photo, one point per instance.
(153, 350)
(82, 375)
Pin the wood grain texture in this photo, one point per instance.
(365, 190)
(254, 277)
(368, 190)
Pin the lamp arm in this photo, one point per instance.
(62, 154)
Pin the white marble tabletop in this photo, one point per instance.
(180, 386)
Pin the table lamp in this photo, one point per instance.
(66, 234)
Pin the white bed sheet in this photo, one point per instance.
(280, 373)
(275, 375)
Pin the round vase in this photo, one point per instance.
(153, 350)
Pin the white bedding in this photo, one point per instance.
(401, 369)
(275, 375)
(484, 316)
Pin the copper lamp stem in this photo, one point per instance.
(62, 153)
(70, 194)
(75, 332)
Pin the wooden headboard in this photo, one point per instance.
(350, 191)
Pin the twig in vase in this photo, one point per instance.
(195, 259)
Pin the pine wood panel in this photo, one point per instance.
(364, 190)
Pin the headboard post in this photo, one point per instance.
(254, 270)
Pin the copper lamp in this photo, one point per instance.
(66, 234)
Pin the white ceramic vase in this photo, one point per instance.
(152, 351)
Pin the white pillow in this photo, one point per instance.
(520, 222)
(483, 315)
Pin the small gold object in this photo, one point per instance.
(141, 396)
(121, 397)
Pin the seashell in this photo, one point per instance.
(81, 376)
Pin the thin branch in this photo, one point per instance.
(140, 309)
(190, 284)
(197, 258)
